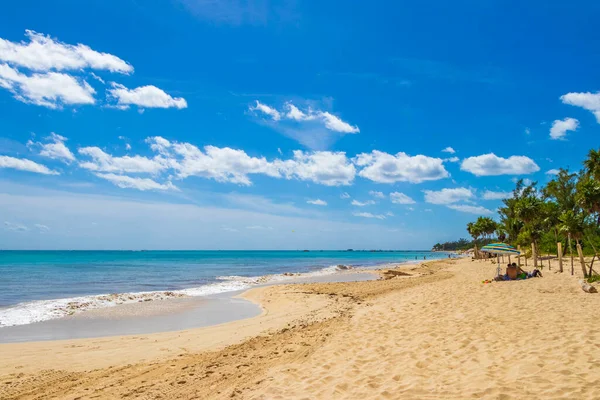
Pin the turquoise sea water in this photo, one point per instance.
(34, 285)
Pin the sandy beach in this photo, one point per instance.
(436, 333)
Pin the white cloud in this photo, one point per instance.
(560, 128)
(448, 196)
(265, 109)
(400, 198)
(587, 100)
(221, 164)
(52, 89)
(378, 195)
(15, 227)
(452, 159)
(42, 228)
(470, 209)
(553, 171)
(293, 113)
(362, 204)
(387, 168)
(56, 149)
(144, 96)
(226, 164)
(489, 195)
(43, 53)
(389, 214)
(259, 227)
(96, 77)
(527, 131)
(126, 140)
(490, 165)
(336, 124)
(103, 162)
(128, 182)
(449, 150)
(24, 164)
(317, 202)
(322, 167)
(368, 215)
(344, 196)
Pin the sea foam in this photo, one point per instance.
(44, 310)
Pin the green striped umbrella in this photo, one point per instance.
(500, 248)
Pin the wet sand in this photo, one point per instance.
(172, 314)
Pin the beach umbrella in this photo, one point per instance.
(500, 248)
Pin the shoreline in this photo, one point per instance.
(279, 304)
(439, 333)
(168, 314)
(37, 311)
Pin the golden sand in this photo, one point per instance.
(439, 333)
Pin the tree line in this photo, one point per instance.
(558, 217)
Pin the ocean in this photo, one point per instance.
(41, 285)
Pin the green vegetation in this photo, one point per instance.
(461, 244)
(566, 211)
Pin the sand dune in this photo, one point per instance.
(437, 334)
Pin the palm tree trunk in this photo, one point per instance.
(595, 254)
(559, 252)
(571, 251)
(534, 254)
(581, 259)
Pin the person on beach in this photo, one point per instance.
(513, 273)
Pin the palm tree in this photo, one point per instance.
(550, 219)
(475, 231)
(561, 191)
(573, 223)
(487, 226)
(508, 218)
(529, 209)
(588, 196)
(592, 164)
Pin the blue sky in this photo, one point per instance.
(198, 124)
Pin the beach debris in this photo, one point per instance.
(391, 273)
(586, 287)
(343, 267)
